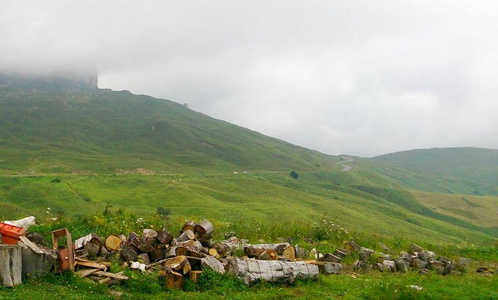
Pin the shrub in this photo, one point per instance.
(163, 212)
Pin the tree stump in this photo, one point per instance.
(10, 265)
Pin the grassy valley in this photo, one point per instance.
(70, 156)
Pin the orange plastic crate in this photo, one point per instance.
(11, 234)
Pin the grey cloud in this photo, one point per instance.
(357, 77)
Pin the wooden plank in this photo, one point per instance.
(85, 272)
(30, 245)
(91, 264)
(111, 275)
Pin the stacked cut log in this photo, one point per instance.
(280, 251)
(186, 255)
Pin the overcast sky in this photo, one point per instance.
(342, 77)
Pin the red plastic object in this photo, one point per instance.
(11, 234)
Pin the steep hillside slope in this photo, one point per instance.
(105, 131)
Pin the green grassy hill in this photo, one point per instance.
(473, 164)
(108, 132)
(74, 153)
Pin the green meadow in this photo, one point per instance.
(101, 161)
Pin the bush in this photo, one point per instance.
(163, 212)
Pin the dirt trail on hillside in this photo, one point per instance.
(346, 168)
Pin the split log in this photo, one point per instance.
(172, 279)
(189, 225)
(149, 233)
(128, 252)
(103, 253)
(113, 242)
(171, 252)
(213, 253)
(252, 270)
(220, 248)
(279, 247)
(93, 239)
(158, 253)
(188, 248)
(164, 237)
(268, 254)
(208, 243)
(134, 239)
(187, 235)
(289, 253)
(204, 229)
(213, 263)
(92, 249)
(199, 246)
(143, 258)
(253, 252)
(10, 265)
(194, 275)
(179, 264)
(146, 247)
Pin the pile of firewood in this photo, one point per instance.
(186, 255)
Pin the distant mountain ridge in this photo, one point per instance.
(475, 164)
